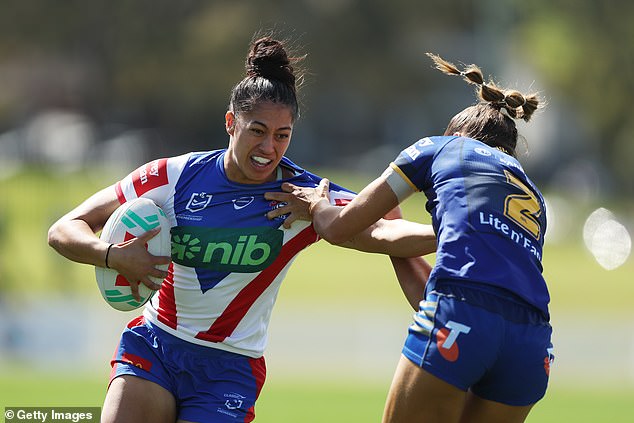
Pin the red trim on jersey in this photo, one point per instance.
(226, 323)
(167, 300)
(149, 176)
(258, 370)
(119, 192)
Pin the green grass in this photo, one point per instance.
(33, 388)
(286, 401)
(585, 405)
(299, 400)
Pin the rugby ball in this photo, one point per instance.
(129, 221)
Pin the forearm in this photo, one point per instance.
(325, 221)
(75, 240)
(339, 225)
(397, 238)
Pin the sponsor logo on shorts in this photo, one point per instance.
(233, 404)
(548, 360)
(234, 401)
(447, 339)
(136, 361)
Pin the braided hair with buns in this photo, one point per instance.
(491, 120)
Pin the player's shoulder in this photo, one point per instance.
(422, 149)
(201, 158)
(197, 162)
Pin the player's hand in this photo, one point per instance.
(132, 260)
(298, 201)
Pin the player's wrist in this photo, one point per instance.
(315, 206)
(107, 256)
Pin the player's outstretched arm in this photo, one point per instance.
(358, 225)
(396, 238)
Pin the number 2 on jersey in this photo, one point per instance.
(524, 209)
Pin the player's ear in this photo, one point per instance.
(230, 122)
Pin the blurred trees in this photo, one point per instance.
(170, 65)
(586, 50)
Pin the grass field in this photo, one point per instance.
(293, 401)
(323, 277)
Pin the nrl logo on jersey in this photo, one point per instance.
(198, 201)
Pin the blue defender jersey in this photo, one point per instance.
(489, 217)
(228, 258)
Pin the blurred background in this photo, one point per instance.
(89, 90)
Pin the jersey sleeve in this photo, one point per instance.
(413, 166)
(154, 180)
(400, 184)
(340, 196)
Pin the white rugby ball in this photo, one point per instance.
(129, 221)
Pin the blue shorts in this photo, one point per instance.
(208, 384)
(482, 339)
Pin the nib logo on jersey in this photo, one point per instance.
(243, 250)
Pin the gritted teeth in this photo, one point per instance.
(261, 160)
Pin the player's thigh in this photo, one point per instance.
(479, 410)
(418, 396)
(133, 399)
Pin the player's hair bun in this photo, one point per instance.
(270, 77)
(268, 59)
